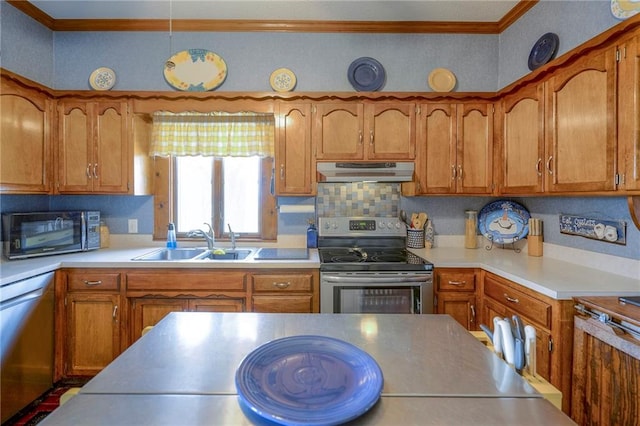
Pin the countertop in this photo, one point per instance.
(554, 278)
(440, 359)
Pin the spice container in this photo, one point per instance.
(534, 240)
(470, 229)
(104, 235)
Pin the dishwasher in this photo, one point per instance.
(26, 342)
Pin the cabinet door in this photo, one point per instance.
(390, 131)
(111, 157)
(93, 332)
(523, 142)
(75, 152)
(216, 305)
(629, 114)
(25, 155)
(461, 306)
(475, 149)
(337, 131)
(293, 151)
(581, 125)
(149, 311)
(436, 150)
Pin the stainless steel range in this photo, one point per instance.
(365, 268)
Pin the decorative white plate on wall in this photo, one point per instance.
(102, 78)
(195, 70)
(282, 80)
(442, 80)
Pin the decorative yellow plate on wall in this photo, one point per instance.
(282, 80)
(623, 9)
(442, 80)
(195, 70)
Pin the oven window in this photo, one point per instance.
(376, 300)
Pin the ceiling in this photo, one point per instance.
(325, 10)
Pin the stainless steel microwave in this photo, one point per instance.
(45, 233)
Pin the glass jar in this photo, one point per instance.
(470, 229)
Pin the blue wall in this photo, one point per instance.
(64, 60)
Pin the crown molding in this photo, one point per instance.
(292, 26)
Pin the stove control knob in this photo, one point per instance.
(398, 226)
(390, 225)
(381, 225)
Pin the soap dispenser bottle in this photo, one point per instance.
(171, 237)
(312, 235)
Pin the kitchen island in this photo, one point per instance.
(183, 372)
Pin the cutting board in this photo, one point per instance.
(282, 254)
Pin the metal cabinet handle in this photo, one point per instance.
(511, 299)
(549, 165)
(453, 172)
(460, 172)
(371, 137)
(95, 170)
(88, 171)
(281, 171)
(459, 283)
(538, 167)
(281, 285)
(360, 137)
(92, 283)
(473, 313)
(115, 312)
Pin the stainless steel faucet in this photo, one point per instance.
(207, 235)
(233, 237)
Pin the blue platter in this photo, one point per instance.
(366, 74)
(543, 51)
(504, 221)
(308, 380)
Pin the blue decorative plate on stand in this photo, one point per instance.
(504, 222)
(308, 380)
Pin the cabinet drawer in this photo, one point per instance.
(282, 283)
(533, 309)
(181, 280)
(456, 280)
(94, 281)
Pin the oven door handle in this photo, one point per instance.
(374, 280)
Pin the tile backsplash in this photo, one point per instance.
(358, 199)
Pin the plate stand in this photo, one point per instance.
(509, 246)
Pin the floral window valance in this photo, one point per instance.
(214, 134)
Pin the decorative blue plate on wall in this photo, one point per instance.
(308, 380)
(366, 74)
(504, 221)
(544, 50)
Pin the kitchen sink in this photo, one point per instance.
(165, 254)
(231, 254)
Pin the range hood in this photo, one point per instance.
(365, 172)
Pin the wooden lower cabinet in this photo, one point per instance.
(148, 311)
(91, 321)
(455, 291)
(285, 291)
(552, 319)
(606, 366)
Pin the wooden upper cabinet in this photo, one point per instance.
(294, 174)
(455, 148)
(390, 131)
(337, 131)
(25, 150)
(354, 131)
(629, 114)
(522, 166)
(581, 125)
(93, 147)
